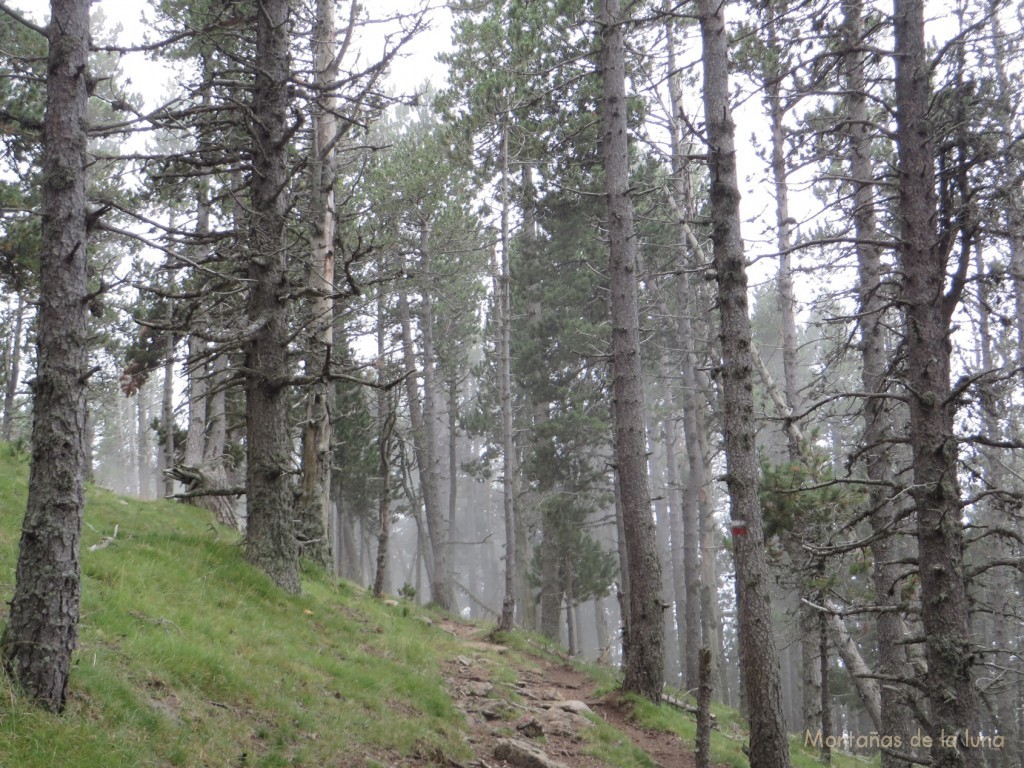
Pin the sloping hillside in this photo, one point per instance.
(189, 657)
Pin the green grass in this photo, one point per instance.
(189, 657)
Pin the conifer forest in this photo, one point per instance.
(688, 335)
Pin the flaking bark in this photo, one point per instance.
(270, 542)
(43, 627)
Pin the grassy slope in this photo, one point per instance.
(189, 657)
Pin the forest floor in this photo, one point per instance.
(545, 710)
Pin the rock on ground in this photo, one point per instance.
(523, 754)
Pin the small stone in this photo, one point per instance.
(530, 727)
(575, 706)
(478, 688)
(523, 754)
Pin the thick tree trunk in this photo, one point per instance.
(43, 626)
(759, 660)
(314, 500)
(270, 542)
(945, 612)
(645, 662)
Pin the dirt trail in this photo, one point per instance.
(541, 703)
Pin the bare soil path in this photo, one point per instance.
(543, 710)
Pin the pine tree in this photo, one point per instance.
(769, 747)
(43, 627)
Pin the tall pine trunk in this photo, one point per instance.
(314, 499)
(936, 492)
(759, 659)
(895, 715)
(502, 285)
(645, 640)
(270, 542)
(43, 626)
(385, 431)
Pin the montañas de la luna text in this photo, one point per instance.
(875, 740)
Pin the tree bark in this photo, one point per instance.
(936, 492)
(759, 660)
(508, 449)
(645, 662)
(270, 542)
(385, 431)
(167, 414)
(43, 627)
(198, 381)
(314, 499)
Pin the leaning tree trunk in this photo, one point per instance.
(945, 612)
(645, 660)
(43, 626)
(759, 660)
(270, 542)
